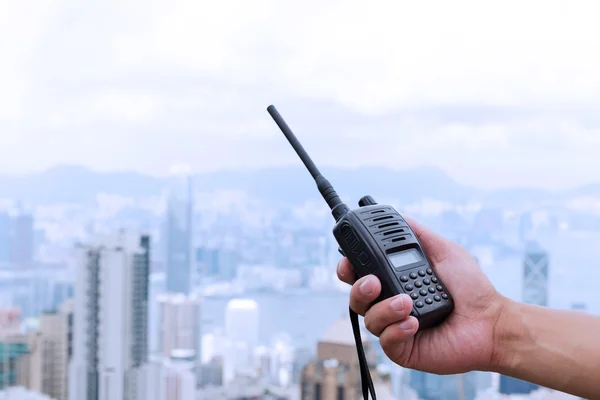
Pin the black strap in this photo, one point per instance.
(365, 374)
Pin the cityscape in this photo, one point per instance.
(161, 240)
(165, 297)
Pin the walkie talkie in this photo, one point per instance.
(378, 241)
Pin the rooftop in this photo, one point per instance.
(341, 332)
(244, 304)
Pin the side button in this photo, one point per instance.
(341, 252)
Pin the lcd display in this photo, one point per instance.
(405, 257)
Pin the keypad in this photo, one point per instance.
(423, 287)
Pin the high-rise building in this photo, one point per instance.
(535, 291)
(45, 368)
(110, 347)
(22, 241)
(335, 373)
(241, 333)
(535, 275)
(5, 228)
(179, 233)
(14, 347)
(157, 288)
(180, 326)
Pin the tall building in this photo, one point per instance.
(180, 326)
(45, 368)
(157, 288)
(335, 373)
(535, 291)
(241, 334)
(535, 275)
(14, 347)
(179, 233)
(5, 228)
(22, 241)
(110, 347)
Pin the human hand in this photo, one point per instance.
(463, 342)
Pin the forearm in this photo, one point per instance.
(553, 348)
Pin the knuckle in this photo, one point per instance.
(386, 340)
(370, 324)
(356, 306)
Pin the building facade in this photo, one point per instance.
(178, 227)
(335, 372)
(180, 327)
(110, 347)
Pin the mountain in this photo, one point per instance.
(274, 185)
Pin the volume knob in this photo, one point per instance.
(366, 201)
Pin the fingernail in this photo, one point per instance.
(406, 325)
(339, 271)
(398, 304)
(366, 287)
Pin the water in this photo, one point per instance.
(305, 316)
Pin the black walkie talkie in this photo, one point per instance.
(378, 241)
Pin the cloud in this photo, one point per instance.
(494, 93)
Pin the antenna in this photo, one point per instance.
(337, 206)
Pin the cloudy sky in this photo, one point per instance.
(498, 94)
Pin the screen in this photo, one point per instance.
(405, 257)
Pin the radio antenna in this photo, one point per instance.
(337, 206)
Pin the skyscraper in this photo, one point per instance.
(5, 233)
(179, 233)
(44, 369)
(535, 291)
(535, 275)
(110, 347)
(21, 241)
(241, 332)
(180, 327)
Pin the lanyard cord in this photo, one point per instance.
(365, 374)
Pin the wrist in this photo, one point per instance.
(508, 331)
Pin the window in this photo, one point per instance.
(317, 391)
(340, 393)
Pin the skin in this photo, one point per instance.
(485, 332)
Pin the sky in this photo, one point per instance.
(495, 94)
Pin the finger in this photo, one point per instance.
(437, 247)
(345, 272)
(363, 293)
(387, 312)
(397, 339)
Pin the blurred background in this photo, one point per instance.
(160, 239)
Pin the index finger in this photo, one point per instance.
(345, 272)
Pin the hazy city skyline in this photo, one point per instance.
(129, 85)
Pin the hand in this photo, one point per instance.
(464, 342)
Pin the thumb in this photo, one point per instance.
(437, 247)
